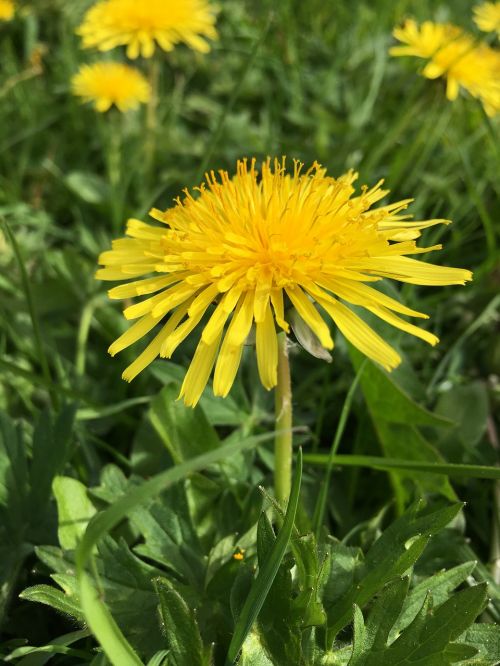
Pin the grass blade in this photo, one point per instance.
(267, 574)
(386, 464)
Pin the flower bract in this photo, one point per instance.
(110, 83)
(243, 251)
(142, 26)
(456, 56)
(487, 17)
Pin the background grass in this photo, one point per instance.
(311, 80)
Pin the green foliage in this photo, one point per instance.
(135, 530)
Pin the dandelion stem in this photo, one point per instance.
(283, 410)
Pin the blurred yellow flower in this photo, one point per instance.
(6, 10)
(487, 17)
(141, 25)
(108, 83)
(423, 41)
(259, 246)
(454, 55)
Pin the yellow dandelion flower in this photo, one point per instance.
(108, 83)
(454, 55)
(423, 41)
(141, 26)
(487, 17)
(6, 10)
(256, 246)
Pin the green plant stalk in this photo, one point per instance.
(284, 435)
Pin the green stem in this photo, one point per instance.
(283, 411)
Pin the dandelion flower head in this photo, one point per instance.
(487, 17)
(108, 83)
(249, 249)
(141, 26)
(454, 55)
(6, 10)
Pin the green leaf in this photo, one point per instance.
(440, 585)
(393, 554)
(51, 450)
(38, 656)
(88, 186)
(96, 613)
(180, 627)
(359, 638)
(267, 572)
(51, 596)
(385, 612)
(185, 431)
(406, 442)
(486, 639)
(431, 633)
(74, 509)
(389, 402)
(159, 659)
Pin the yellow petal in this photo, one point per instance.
(242, 321)
(267, 350)
(199, 371)
(360, 294)
(311, 316)
(153, 349)
(228, 362)
(362, 336)
(134, 333)
(397, 322)
(279, 310)
(142, 287)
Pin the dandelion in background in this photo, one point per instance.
(7, 10)
(108, 83)
(456, 56)
(258, 246)
(487, 17)
(142, 26)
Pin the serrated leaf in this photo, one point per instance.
(396, 550)
(385, 613)
(427, 639)
(440, 585)
(486, 639)
(180, 626)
